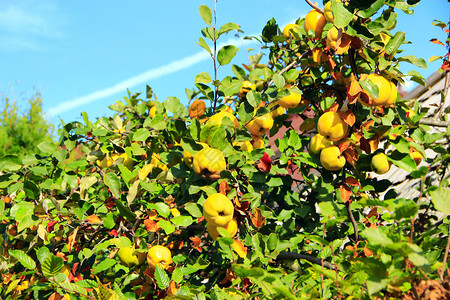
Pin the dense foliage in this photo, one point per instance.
(74, 217)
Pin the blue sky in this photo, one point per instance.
(83, 55)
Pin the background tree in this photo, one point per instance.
(23, 129)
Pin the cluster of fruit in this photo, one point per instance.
(371, 90)
(218, 211)
(156, 256)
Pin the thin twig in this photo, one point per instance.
(352, 218)
(287, 68)
(311, 259)
(444, 263)
(216, 89)
(314, 6)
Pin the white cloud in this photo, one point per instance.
(167, 69)
(27, 24)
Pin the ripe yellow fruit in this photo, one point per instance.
(331, 158)
(380, 163)
(129, 257)
(246, 87)
(217, 119)
(258, 143)
(189, 158)
(331, 126)
(332, 36)
(231, 227)
(327, 11)
(315, 21)
(318, 55)
(127, 161)
(318, 142)
(208, 163)
(152, 111)
(393, 96)
(260, 125)
(244, 146)
(290, 101)
(387, 91)
(218, 210)
(275, 112)
(159, 255)
(287, 29)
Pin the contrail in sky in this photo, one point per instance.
(172, 67)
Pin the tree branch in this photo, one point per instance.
(314, 6)
(352, 218)
(433, 122)
(311, 259)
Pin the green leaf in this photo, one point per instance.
(166, 226)
(226, 54)
(441, 200)
(420, 62)
(342, 17)
(113, 182)
(228, 27)
(402, 160)
(279, 81)
(193, 209)
(177, 275)
(141, 135)
(209, 33)
(205, 13)
(10, 163)
(104, 265)
(23, 258)
(132, 192)
(47, 147)
(253, 98)
(201, 42)
(395, 42)
(183, 221)
(73, 287)
(376, 236)
(270, 30)
(52, 265)
(203, 77)
(367, 12)
(162, 279)
(125, 211)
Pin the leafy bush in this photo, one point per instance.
(134, 180)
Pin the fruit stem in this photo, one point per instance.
(314, 6)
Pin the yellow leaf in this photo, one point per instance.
(240, 249)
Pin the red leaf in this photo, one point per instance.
(113, 233)
(51, 225)
(257, 219)
(351, 181)
(151, 225)
(445, 66)
(346, 192)
(196, 243)
(224, 188)
(436, 41)
(264, 164)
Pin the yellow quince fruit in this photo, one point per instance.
(208, 163)
(260, 125)
(380, 163)
(318, 142)
(331, 158)
(159, 255)
(231, 227)
(331, 126)
(218, 210)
